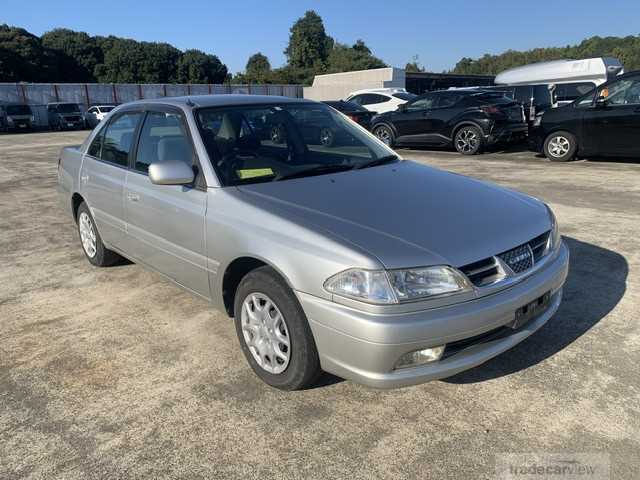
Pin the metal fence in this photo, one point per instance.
(88, 94)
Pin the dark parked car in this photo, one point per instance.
(355, 112)
(535, 99)
(16, 117)
(466, 119)
(65, 116)
(605, 121)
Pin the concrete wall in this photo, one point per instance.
(336, 86)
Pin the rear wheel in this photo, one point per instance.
(385, 135)
(92, 245)
(560, 146)
(468, 140)
(273, 331)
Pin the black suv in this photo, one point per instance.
(604, 122)
(466, 119)
(64, 116)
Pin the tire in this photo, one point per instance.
(468, 140)
(301, 367)
(92, 246)
(560, 146)
(385, 135)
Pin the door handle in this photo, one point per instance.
(134, 197)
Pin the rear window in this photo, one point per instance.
(405, 96)
(68, 108)
(18, 110)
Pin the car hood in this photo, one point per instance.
(407, 214)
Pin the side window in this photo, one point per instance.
(423, 103)
(523, 94)
(446, 100)
(163, 138)
(378, 99)
(118, 138)
(357, 99)
(623, 92)
(95, 149)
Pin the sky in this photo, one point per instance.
(439, 32)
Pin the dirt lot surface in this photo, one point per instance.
(115, 373)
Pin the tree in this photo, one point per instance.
(23, 58)
(309, 45)
(79, 52)
(195, 66)
(414, 66)
(258, 69)
(357, 57)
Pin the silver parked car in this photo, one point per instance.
(339, 257)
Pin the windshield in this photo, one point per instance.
(405, 96)
(105, 109)
(18, 110)
(68, 108)
(275, 142)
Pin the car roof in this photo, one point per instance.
(388, 91)
(219, 100)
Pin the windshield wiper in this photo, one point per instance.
(378, 161)
(318, 170)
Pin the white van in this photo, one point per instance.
(568, 79)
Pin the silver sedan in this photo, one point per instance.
(336, 256)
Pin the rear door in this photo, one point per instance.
(103, 174)
(165, 223)
(612, 127)
(447, 108)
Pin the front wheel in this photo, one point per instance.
(273, 331)
(560, 147)
(468, 140)
(92, 245)
(385, 135)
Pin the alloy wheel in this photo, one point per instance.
(265, 333)
(87, 234)
(383, 134)
(559, 146)
(467, 140)
(326, 137)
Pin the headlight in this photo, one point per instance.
(395, 286)
(554, 239)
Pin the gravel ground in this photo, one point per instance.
(115, 373)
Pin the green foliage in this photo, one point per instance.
(309, 45)
(414, 66)
(343, 58)
(195, 66)
(625, 49)
(63, 55)
(258, 69)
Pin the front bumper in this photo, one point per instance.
(365, 347)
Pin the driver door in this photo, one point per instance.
(413, 122)
(166, 223)
(612, 125)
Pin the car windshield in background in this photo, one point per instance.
(106, 109)
(405, 96)
(68, 108)
(278, 142)
(18, 110)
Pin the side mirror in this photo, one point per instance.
(601, 102)
(171, 172)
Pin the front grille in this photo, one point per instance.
(519, 260)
